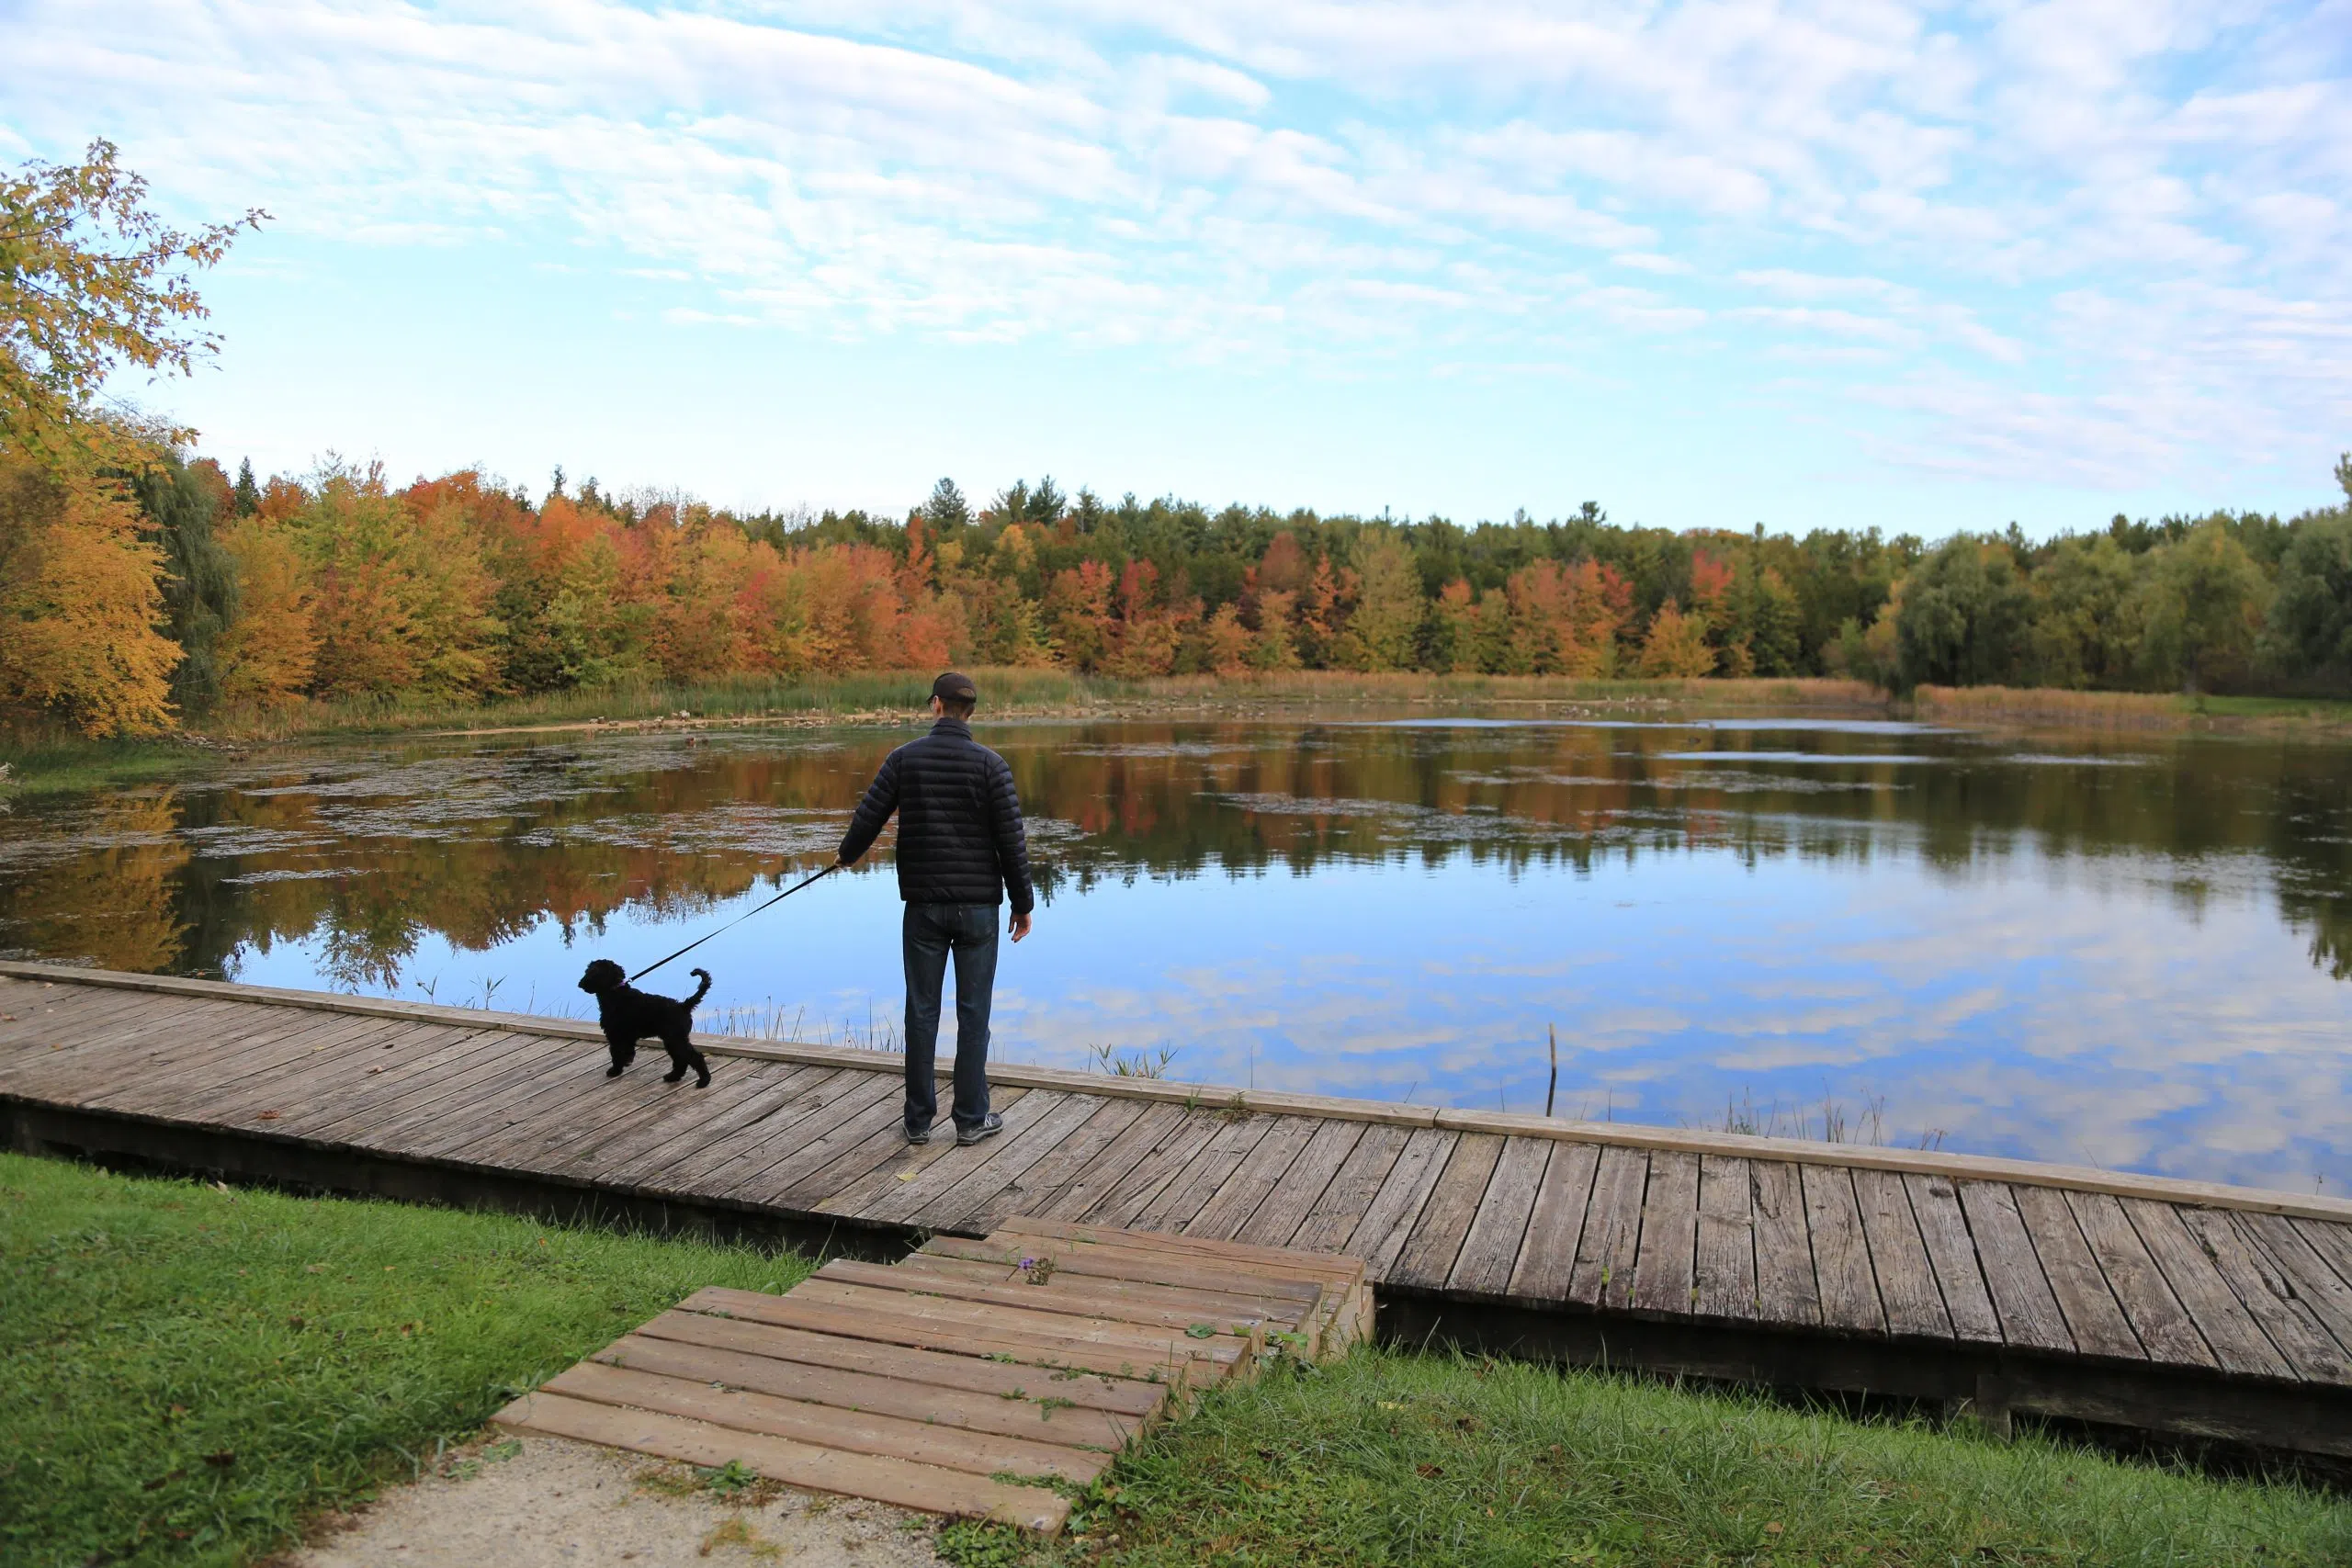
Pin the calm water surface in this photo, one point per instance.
(2130, 951)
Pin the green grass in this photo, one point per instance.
(1395, 1458)
(185, 1373)
(2317, 710)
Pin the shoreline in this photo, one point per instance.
(57, 760)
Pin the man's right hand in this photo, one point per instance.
(1020, 927)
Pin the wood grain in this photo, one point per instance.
(1492, 1243)
(1664, 1267)
(2097, 1324)
(1841, 1257)
(1725, 1266)
(1952, 1252)
(1435, 1241)
(1785, 1284)
(2029, 1315)
(1907, 1281)
(1603, 1275)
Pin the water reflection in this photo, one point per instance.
(2124, 949)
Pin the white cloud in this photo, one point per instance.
(2095, 237)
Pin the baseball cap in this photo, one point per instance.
(955, 687)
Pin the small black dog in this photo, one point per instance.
(627, 1015)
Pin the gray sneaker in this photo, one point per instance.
(916, 1134)
(966, 1136)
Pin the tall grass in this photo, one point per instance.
(2119, 710)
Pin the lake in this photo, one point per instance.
(2122, 949)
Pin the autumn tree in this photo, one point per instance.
(2086, 614)
(1676, 647)
(268, 653)
(2310, 624)
(91, 282)
(1389, 605)
(403, 604)
(81, 600)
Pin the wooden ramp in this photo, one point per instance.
(965, 1378)
(2164, 1307)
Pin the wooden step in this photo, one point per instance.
(1120, 1397)
(902, 1482)
(948, 1379)
(1020, 1412)
(1052, 1352)
(1343, 1316)
(831, 1426)
(1115, 1294)
(1138, 1312)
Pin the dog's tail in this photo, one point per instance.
(701, 991)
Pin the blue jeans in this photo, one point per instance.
(932, 932)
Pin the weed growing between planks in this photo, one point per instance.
(187, 1372)
(1393, 1458)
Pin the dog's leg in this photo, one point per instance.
(679, 1051)
(624, 1053)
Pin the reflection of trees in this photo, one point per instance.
(115, 902)
(373, 857)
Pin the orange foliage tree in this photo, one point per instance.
(403, 600)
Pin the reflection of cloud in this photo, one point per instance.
(2071, 968)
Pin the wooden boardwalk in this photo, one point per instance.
(967, 1377)
(2168, 1306)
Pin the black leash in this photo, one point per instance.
(736, 922)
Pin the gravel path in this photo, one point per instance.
(533, 1502)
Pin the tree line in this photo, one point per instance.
(138, 598)
(140, 586)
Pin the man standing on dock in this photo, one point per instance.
(961, 850)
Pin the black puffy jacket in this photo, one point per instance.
(960, 839)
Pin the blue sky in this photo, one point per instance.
(1847, 261)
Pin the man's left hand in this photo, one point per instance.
(1020, 927)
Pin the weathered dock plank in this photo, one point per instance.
(1993, 1280)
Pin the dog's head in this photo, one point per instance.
(604, 974)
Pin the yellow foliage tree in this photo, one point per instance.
(270, 651)
(1676, 647)
(1389, 605)
(81, 602)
